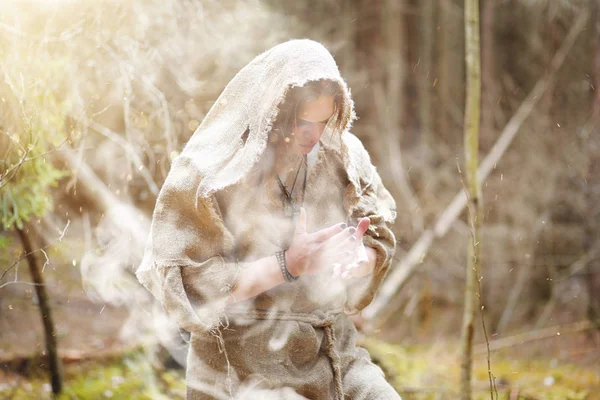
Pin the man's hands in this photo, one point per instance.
(336, 248)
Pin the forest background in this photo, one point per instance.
(98, 97)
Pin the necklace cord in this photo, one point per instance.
(288, 195)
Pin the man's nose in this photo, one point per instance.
(310, 131)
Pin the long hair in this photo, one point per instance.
(263, 174)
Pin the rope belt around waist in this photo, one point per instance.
(316, 320)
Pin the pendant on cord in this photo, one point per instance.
(291, 208)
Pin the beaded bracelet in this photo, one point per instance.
(280, 255)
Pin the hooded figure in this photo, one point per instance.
(264, 323)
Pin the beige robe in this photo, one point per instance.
(294, 340)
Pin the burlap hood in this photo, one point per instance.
(250, 101)
(219, 156)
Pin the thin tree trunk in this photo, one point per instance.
(347, 35)
(443, 65)
(591, 148)
(471, 138)
(488, 133)
(523, 273)
(489, 91)
(390, 106)
(56, 374)
(425, 71)
(393, 37)
(596, 63)
(552, 273)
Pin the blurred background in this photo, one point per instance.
(97, 98)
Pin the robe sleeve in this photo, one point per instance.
(374, 201)
(186, 263)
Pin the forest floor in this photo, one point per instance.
(417, 374)
(100, 364)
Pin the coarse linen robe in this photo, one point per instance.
(294, 340)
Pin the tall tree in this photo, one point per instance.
(443, 66)
(488, 80)
(24, 180)
(426, 26)
(33, 126)
(591, 148)
(471, 139)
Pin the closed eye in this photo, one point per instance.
(302, 122)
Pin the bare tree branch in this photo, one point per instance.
(24, 256)
(538, 334)
(129, 149)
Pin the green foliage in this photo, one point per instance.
(428, 374)
(129, 378)
(26, 195)
(33, 124)
(417, 374)
(5, 241)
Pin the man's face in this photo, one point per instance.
(310, 124)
